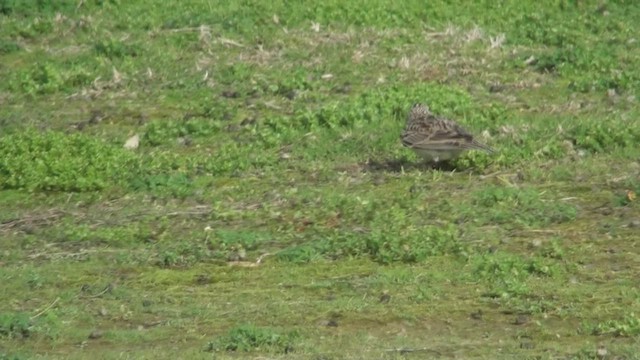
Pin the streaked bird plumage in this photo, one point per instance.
(437, 138)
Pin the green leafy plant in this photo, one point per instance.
(7, 46)
(503, 204)
(47, 78)
(184, 253)
(167, 131)
(394, 244)
(115, 49)
(53, 161)
(178, 185)
(24, 8)
(599, 136)
(15, 325)
(627, 327)
(507, 274)
(250, 337)
(224, 240)
(15, 356)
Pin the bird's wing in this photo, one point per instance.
(440, 134)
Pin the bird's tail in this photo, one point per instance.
(476, 145)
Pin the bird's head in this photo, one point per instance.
(419, 110)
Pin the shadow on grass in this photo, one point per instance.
(402, 165)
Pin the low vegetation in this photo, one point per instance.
(264, 206)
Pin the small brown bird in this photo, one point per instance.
(437, 138)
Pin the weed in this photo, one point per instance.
(114, 49)
(182, 255)
(5, 356)
(553, 249)
(504, 204)
(273, 127)
(26, 8)
(395, 244)
(35, 281)
(301, 254)
(225, 240)
(15, 325)
(508, 274)
(604, 136)
(250, 338)
(8, 47)
(627, 327)
(41, 79)
(178, 185)
(161, 132)
(52, 161)
(136, 233)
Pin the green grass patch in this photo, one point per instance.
(252, 338)
(53, 161)
(270, 210)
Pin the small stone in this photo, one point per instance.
(385, 297)
(133, 142)
(96, 334)
(203, 279)
(601, 352)
(28, 229)
(527, 345)
(332, 323)
(96, 117)
(292, 94)
(606, 211)
(231, 94)
(183, 141)
(237, 254)
(634, 223)
(343, 89)
(103, 312)
(494, 88)
(477, 315)
(232, 128)
(248, 121)
(521, 320)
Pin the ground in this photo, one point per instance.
(263, 206)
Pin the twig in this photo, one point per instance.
(262, 257)
(53, 214)
(66, 254)
(45, 309)
(409, 350)
(178, 213)
(540, 231)
(186, 29)
(107, 288)
(226, 41)
(248, 263)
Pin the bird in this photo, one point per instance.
(436, 138)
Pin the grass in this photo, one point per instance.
(270, 210)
